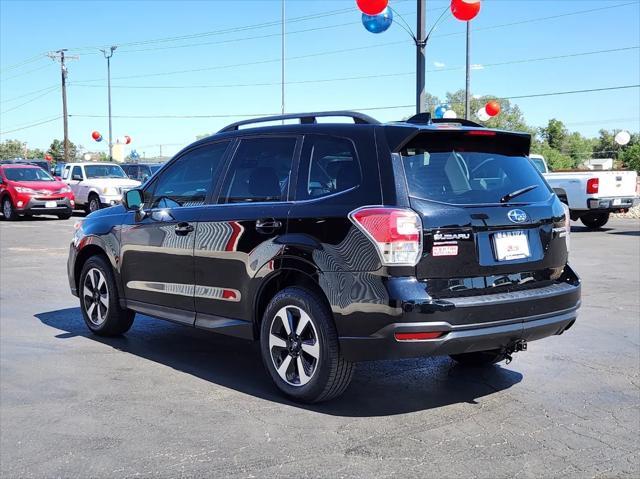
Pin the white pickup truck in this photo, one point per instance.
(97, 185)
(592, 195)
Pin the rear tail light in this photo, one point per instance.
(396, 233)
(481, 133)
(593, 185)
(567, 226)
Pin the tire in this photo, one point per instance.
(65, 216)
(93, 203)
(595, 221)
(101, 311)
(326, 373)
(479, 359)
(7, 209)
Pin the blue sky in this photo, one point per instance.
(29, 89)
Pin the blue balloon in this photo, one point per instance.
(439, 111)
(378, 23)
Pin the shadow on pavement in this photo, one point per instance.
(378, 388)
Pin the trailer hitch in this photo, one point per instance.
(515, 347)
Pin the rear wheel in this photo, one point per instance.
(595, 221)
(7, 209)
(479, 358)
(99, 299)
(65, 216)
(300, 349)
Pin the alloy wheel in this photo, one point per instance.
(7, 209)
(294, 345)
(94, 205)
(95, 295)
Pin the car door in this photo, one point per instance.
(237, 236)
(157, 245)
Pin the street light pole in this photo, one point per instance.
(421, 42)
(467, 91)
(108, 56)
(283, 52)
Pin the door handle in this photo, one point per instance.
(183, 229)
(268, 225)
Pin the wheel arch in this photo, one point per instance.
(93, 247)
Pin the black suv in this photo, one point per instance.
(333, 243)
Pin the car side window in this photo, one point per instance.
(188, 180)
(260, 171)
(330, 165)
(76, 171)
(65, 173)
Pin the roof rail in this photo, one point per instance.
(305, 118)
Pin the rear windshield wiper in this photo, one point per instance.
(508, 197)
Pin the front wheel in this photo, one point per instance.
(7, 209)
(300, 349)
(94, 203)
(479, 358)
(99, 300)
(595, 221)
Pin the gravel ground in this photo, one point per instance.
(171, 401)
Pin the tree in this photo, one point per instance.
(56, 150)
(11, 149)
(578, 148)
(606, 146)
(555, 134)
(630, 157)
(555, 159)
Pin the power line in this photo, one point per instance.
(50, 90)
(27, 94)
(40, 56)
(30, 126)
(353, 49)
(243, 115)
(27, 72)
(362, 77)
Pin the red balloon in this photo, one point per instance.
(372, 7)
(127, 139)
(95, 135)
(465, 10)
(48, 157)
(492, 108)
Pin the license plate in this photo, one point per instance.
(617, 202)
(50, 204)
(511, 245)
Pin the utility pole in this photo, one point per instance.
(60, 56)
(283, 52)
(108, 56)
(160, 150)
(421, 42)
(467, 91)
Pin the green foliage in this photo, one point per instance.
(555, 134)
(10, 149)
(555, 159)
(56, 150)
(578, 148)
(606, 146)
(630, 157)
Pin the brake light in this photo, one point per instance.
(396, 233)
(481, 133)
(593, 185)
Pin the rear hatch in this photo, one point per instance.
(491, 223)
(616, 183)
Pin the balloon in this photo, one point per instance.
(450, 114)
(492, 108)
(440, 111)
(483, 115)
(127, 139)
(95, 135)
(622, 137)
(378, 23)
(48, 157)
(99, 138)
(372, 7)
(465, 10)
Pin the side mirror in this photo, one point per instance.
(133, 199)
(76, 177)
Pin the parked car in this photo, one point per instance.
(44, 164)
(141, 171)
(97, 185)
(29, 190)
(592, 195)
(333, 243)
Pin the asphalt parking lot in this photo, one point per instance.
(169, 401)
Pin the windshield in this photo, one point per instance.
(27, 174)
(104, 171)
(464, 176)
(538, 163)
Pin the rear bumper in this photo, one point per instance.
(612, 204)
(469, 324)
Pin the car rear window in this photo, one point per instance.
(464, 170)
